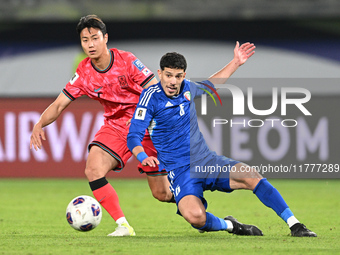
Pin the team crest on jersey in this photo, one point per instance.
(74, 78)
(138, 64)
(140, 113)
(123, 82)
(187, 95)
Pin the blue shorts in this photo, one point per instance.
(183, 184)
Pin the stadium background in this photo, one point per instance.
(297, 45)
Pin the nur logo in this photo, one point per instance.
(239, 100)
(204, 98)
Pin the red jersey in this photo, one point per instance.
(117, 88)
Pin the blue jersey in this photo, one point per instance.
(181, 148)
(172, 124)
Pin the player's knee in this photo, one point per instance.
(89, 173)
(196, 218)
(93, 173)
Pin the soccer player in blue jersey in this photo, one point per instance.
(167, 109)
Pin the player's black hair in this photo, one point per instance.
(173, 60)
(91, 21)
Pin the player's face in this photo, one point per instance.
(171, 80)
(93, 42)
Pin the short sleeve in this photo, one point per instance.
(138, 72)
(73, 88)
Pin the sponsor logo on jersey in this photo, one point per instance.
(146, 72)
(122, 81)
(138, 64)
(187, 95)
(74, 78)
(140, 113)
(168, 104)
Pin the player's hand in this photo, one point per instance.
(150, 161)
(36, 136)
(243, 52)
(128, 122)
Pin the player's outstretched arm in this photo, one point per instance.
(47, 117)
(241, 55)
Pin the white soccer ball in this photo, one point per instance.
(83, 213)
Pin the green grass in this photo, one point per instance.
(32, 220)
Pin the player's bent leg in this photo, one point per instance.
(192, 205)
(99, 163)
(271, 197)
(268, 195)
(159, 186)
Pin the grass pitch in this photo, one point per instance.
(32, 220)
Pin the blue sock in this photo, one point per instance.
(270, 197)
(213, 223)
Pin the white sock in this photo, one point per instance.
(292, 221)
(121, 220)
(230, 225)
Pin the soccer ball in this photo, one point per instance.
(83, 213)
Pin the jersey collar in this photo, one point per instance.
(108, 67)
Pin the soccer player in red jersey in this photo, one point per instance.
(116, 79)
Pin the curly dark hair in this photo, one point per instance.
(173, 60)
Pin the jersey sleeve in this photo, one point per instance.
(139, 73)
(141, 120)
(202, 87)
(73, 88)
